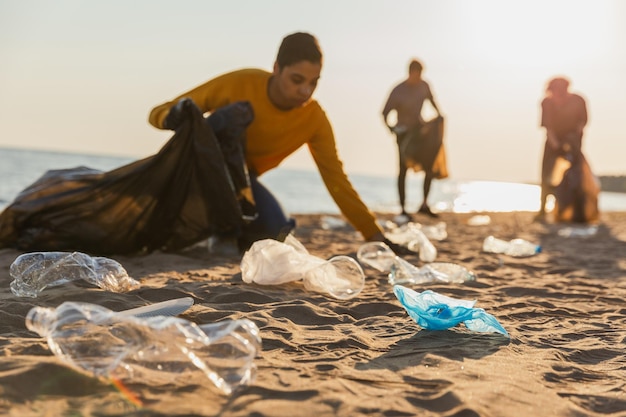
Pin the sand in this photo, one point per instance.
(564, 309)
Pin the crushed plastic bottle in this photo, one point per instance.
(270, 262)
(149, 350)
(35, 271)
(403, 272)
(379, 256)
(433, 311)
(514, 247)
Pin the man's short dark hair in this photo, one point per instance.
(298, 47)
(415, 65)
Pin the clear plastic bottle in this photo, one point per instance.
(514, 247)
(33, 272)
(149, 350)
(381, 257)
(403, 272)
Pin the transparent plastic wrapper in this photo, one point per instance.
(33, 272)
(515, 247)
(270, 262)
(152, 350)
(433, 311)
(379, 256)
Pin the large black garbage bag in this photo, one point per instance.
(168, 201)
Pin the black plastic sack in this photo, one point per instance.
(422, 148)
(195, 186)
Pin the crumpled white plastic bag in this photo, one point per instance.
(270, 262)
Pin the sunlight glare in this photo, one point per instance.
(480, 196)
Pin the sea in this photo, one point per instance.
(303, 192)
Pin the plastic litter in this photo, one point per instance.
(270, 262)
(379, 256)
(413, 237)
(578, 231)
(433, 311)
(403, 272)
(35, 271)
(514, 247)
(149, 350)
(332, 223)
(163, 308)
(479, 220)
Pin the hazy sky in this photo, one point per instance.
(82, 76)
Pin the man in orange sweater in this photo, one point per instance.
(285, 118)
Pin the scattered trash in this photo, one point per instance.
(332, 223)
(514, 247)
(35, 271)
(164, 308)
(149, 350)
(479, 220)
(578, 231)
(433, 311)
(270, 262)
(401, 219)
(379, 256)
(436, 231)
(403, 272)
(413, 237)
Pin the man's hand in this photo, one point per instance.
(398, 249)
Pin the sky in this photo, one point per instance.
(82, 76)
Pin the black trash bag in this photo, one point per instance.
(169, 201)
(422, 148)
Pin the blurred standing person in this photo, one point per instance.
(413, 134)
(564, 116)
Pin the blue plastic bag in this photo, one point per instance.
(433, 311)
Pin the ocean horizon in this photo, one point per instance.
(303, 192)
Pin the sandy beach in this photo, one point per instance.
(564, 310)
